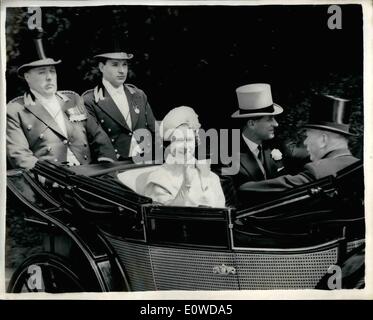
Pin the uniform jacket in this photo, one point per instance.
(249, 167)
(100, 105)
(33, 134)
(331, 163)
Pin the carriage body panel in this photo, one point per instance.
(122, 241)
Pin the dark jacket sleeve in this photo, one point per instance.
(88, 102)
(151, 124)
(150, 119)
(295, 157)
(18, 149)
(99, 141)
(279, 184)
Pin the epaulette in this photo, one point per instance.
(78, 112)
(66, 94)
(131, 88)
(14, 100)
(85, 92)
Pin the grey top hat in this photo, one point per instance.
(37, 57)
(330, 113)
(255, 100)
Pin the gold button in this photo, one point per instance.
(64, 141)
(118, 156)
(130, 134)
(116, 150)
(109, 130)
(55, 160)
(102, 120)
(41, 136)
(85, 157)
(112, 140)
(29, 127)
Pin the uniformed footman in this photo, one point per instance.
(46, 124)
(121, 108)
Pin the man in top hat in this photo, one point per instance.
(46, 124)
(121, 108)
(257, 111)
(327, 143)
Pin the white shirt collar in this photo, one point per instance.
(252, 145)
(111, 89)
(51, 103)
(48, 100)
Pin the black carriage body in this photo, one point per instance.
(122, 241)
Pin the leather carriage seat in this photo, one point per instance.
(135, 179)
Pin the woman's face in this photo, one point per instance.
(183, 143)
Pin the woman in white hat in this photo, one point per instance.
(182, 180)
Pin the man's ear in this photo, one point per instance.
(26, 76)
(324, 140)
(101, 65)
(250, 123)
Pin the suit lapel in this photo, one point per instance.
(272, 166)
(132, 105)
(37, 109)
(110, 108)
(268, 162)
(65, 105)
(249, 163)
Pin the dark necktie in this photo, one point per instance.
(260, 154)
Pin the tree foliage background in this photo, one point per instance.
(199, 55)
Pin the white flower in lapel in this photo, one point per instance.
(136, 109)
(276, 154)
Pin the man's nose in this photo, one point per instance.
(121, 69)
(275, 123)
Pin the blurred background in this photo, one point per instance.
(199, 55)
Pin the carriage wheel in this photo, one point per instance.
(45, 273)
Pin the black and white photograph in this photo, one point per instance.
(188, 146)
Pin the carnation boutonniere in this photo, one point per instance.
(276, 154)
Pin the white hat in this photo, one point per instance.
(255, 100)
(177, 117)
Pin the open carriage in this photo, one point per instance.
(101, 234)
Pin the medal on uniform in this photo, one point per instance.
(76, 114)
(137, 110)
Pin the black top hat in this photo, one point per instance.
(112, 46)
(37, 57)
(330, 113)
